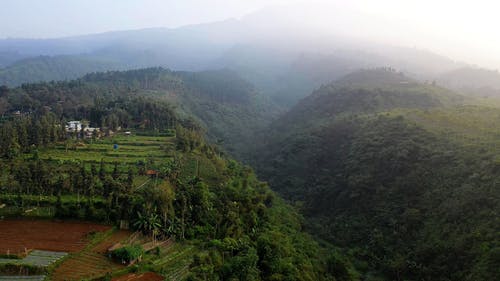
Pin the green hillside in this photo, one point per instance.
(232, 226)
(401, 175)
(226, 106)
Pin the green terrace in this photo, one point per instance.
(120, 149)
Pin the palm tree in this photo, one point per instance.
(154, 223)
(148, 224)
(141, 223)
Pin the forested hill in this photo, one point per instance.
(227, 224)
(228, 107)
(403, 175)
(365, 92)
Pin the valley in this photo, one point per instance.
(402, 166)
(249, 140)
(375, 156)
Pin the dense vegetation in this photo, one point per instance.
(242, 230)
(402, 175)
(399, 175)
(227, 107)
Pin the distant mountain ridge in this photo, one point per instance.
(285, 66)
(46, 68)
(472, 81)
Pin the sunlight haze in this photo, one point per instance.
(252, 140)
(463, 30)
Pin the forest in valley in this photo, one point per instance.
(393, 173)
(297, 142)
(387, 175)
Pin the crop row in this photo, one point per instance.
(36, 258)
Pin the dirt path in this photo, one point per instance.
(148, 276)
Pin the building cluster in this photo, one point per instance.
(77, 127)
(81, 128)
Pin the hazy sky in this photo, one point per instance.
(464, 30)
(55, 18)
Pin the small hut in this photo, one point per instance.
(152, 173)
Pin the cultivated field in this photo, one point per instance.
(175, 261)
(129, 149)
(91, 262)
(36, 258)
(148, 276)
(18, 235)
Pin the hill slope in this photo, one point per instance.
(379, 169)
(365, 92)
(228, 107)
(234, 226)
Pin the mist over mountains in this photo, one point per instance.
(300, 143)
(282, 58)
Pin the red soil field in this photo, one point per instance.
(16, 235)
(149, 276)
(91, 263)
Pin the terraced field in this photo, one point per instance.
(174, 264)
(37, 258)
(87, 265)
(90, 263)
(130, 150)
(18, 236)
(148, 276)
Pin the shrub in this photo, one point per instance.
(128, 254)
(21, 269)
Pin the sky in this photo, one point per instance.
(56, 18)
(464, 30)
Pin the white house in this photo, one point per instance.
(73, 126)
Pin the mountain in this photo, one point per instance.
(366, 92)
(56, 68)
(285, 61)
(186, 48)
(399, 173)
(472, 81)
(287, 75)
(9, 57)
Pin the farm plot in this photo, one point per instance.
(23, 278)
(175, 261)
(129, 150)
(18, 236)
(37, 258)
(148, 276)
(90, 263)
